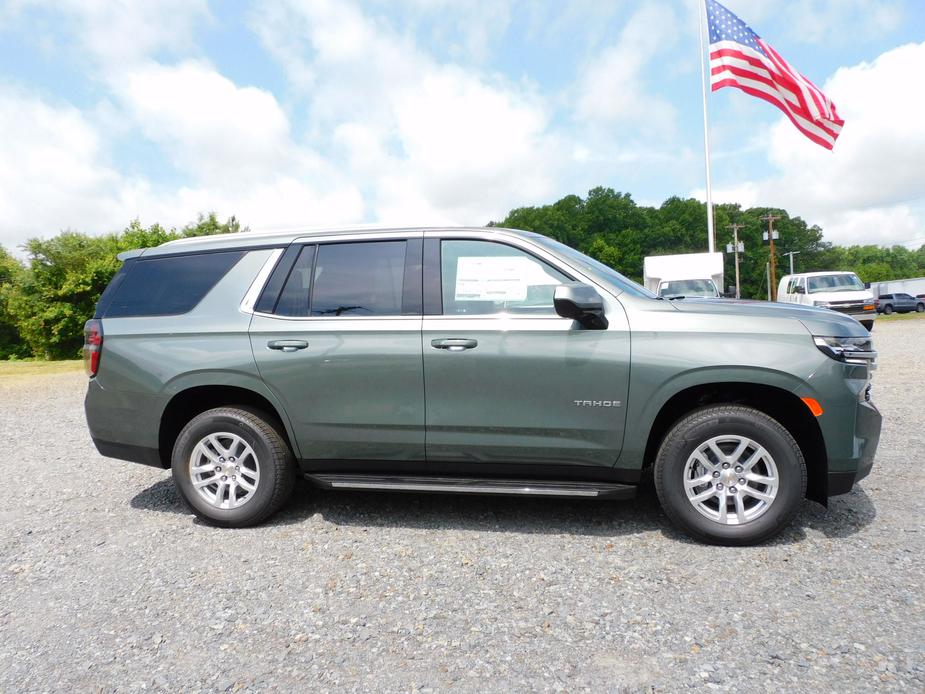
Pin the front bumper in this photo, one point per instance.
(846, 472)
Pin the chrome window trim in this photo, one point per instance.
(264, 274)
(332, 319)
(368, 238)
(253, 292)
(498, 236)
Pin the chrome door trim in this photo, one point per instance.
(253, 292)
(368, 237)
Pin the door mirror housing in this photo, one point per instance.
(580, 302)
(799, 289)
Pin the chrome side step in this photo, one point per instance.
(474, 485)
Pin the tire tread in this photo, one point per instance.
(280, 458)
(673, 440)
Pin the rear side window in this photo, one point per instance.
(294, 299)
(346, 279)
(168, 286)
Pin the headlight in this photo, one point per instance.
(821, 304)
(851, 350)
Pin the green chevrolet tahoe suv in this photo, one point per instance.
(487, 361)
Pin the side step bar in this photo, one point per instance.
(474, 485)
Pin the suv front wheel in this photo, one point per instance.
(730, 475)
(232, 467)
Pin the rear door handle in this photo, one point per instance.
(287, 345)
(454, 344)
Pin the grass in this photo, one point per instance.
(39, 368)
(902, 316)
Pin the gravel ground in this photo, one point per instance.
(107, 583)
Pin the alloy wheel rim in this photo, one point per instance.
(731, 479)
(224, 470)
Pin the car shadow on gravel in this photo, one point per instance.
(845, 516)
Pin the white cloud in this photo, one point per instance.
(870, 188)
(210, 127)
(233, 143)
(822, 21)
(612, 90)
(433, 142)
(116, 34)
(52, 169)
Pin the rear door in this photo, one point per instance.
(507, 380)
(337, 337)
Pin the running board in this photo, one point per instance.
(474, 485)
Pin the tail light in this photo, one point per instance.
(93, 346)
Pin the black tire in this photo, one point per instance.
(721, 420)
(887, 310)
(920, 308)
(275, 460)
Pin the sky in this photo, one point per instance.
(307, 113)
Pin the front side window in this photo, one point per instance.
(484, 277)
(358, 279)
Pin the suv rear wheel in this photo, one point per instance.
(232, 467)
(730, 475)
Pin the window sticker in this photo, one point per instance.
(498, 278)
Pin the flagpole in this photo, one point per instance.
(711, 238)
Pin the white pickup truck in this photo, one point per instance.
(837, 290)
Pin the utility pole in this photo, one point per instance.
(769, 236)
(736, 248)
(791, 254)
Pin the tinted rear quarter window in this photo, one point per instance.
(169, 286)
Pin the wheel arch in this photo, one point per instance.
(187, 402)
(778, 403)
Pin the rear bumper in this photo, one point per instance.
(120, 424)
(133, 454)
(866, 439)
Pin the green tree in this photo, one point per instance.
(57, 291)
(11, 274)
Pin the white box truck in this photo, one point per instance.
(688, 274)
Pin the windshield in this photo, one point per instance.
(595, 268)
(834, 283)
(688, 288)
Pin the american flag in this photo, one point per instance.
(740, 58)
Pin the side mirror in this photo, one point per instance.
(799, 289)
(582, 303)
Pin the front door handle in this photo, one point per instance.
(287, 345)
(454, 344)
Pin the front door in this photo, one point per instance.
(506, 379)
(340, 346)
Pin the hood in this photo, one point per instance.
(818, 321)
